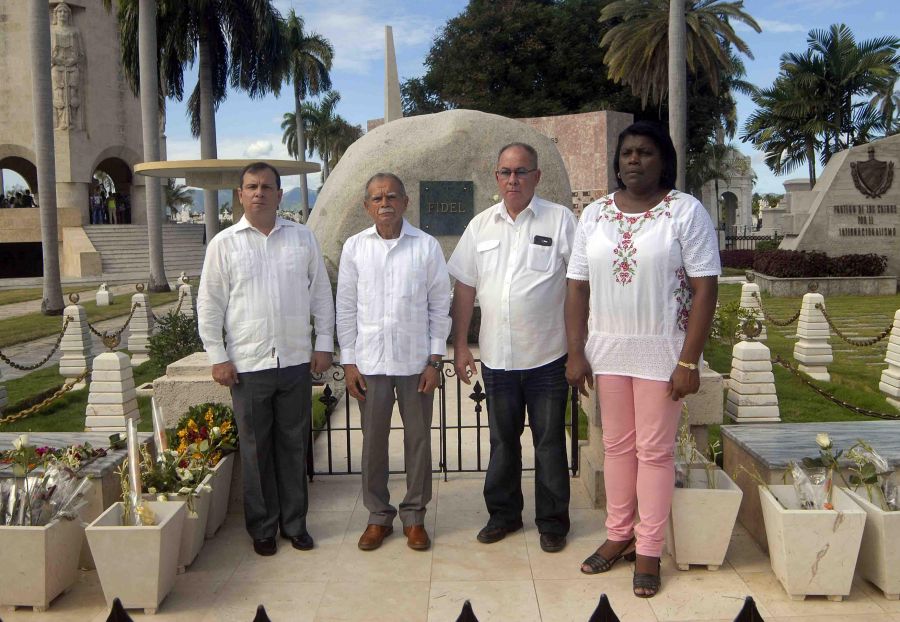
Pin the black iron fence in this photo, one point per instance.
(746, 241)
(457, 428)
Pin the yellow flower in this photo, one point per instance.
(192, 425)
(182, 433)
(197, 455)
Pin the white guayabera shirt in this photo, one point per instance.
(638, 267)
(263, 290)
(518, 269)
(393, 302)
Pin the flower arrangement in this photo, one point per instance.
(873, 472)
(35, 500)
(73, 456)
(175, 473)
(210, 423)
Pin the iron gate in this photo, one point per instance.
(451, 427)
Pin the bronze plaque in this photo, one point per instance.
(446, 207)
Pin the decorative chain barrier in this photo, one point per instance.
(14, 365)
(769, 318)
(857, 409)
(859, 342)
(116, 333)
(176, 310)
(33, 409)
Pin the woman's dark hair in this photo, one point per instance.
(663, 142)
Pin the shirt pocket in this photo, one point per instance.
(244, 266)
(539, 257)
(488, 256)
(413, 284)
(293, 262)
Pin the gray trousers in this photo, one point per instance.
(415, 410)
(272, 408)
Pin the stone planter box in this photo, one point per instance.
(221, 489)
(813, 552)
(702, 520)
(827, 285)
(880, 549)
(39, 563)
(193, 534)
(137, 565)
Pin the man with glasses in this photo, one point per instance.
(393, 299)
(262, 281)
(513, 258)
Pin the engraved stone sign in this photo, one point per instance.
(445, 207)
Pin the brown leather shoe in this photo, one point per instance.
(417, 538)
(373, 536)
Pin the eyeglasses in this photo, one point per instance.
(505, 173)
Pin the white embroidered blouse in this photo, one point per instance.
(637, 266)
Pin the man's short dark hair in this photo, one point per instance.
(378, 176)
(663, 142)
(531, 151)
(256, 167)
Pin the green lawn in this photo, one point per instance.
(10, 296)
(854, 372)
(35, 325)
(68, 412)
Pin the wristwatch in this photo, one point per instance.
(438, 365)
(691, 366)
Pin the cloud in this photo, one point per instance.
(356, 29)
(258, 149)
(774, 25)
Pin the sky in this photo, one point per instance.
(251, 128)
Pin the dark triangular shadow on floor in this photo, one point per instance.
(749, 612)
(467, 615)
(604, 611)
(261, 615)
(118, 613)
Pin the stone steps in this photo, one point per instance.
(124, 249)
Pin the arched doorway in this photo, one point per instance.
(111, 191)
(17, 175)
(729, 205)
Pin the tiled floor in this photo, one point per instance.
(512, 580)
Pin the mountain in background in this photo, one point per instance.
(289, 202)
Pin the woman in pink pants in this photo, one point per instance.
(644, 267)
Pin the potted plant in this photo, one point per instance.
(136, 549)
(40, 528)
(705, 504)
(215, 424)
(876, 492)
(183, 477)
(814, 532)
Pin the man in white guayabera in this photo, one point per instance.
(263, 279)
(393, 300)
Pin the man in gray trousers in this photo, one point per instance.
(263, 279)
(393, 302)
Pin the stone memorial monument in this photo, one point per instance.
(854, 205)
(104, 296)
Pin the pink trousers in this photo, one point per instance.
(639, 426)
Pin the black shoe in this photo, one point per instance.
(265, 546)
(552, 542)
(303, 542)
(495, 533)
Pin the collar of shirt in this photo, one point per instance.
(407, 229)
(243, 224)
(500, 211)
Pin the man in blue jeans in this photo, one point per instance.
(513, 257)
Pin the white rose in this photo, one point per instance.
(21, 442)
(215, 432)
(184, 475)
(823, 440)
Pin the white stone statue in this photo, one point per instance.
(67, 67)
(104, 297)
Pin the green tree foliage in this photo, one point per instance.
(327, 133)
(835, 95)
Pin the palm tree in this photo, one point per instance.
(786, 126)
(177, 195)
(654, 44)
(236, 42)
(887, 102)
(308, 59)
(835, 71)
(39, 26)
(322, 122)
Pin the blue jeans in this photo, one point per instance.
(543, 392)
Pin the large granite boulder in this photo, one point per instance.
(458, 145)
